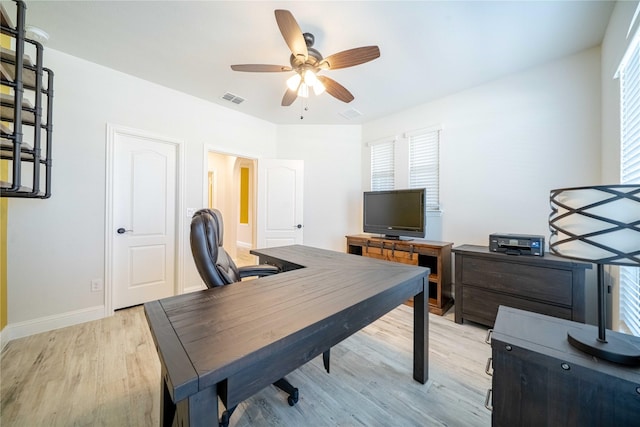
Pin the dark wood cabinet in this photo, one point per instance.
(426, 253)
(484, 280)
(539, 379)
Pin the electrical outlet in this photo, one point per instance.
(96, 285)
(190, 212)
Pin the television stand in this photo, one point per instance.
(435, 255)
(394, 238)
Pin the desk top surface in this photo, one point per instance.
(206, 336)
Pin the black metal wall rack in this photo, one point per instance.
(26, 125)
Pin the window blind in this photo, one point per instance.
(382, 166)
(630, 172)
(424, 169)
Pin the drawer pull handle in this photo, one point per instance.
(488, 367)
(487, 399)
(488, 338)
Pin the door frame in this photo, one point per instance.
(209, 148)
(112, 130)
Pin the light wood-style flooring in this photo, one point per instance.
(107, 373)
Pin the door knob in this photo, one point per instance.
(122, 230)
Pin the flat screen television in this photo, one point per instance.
(395, 213)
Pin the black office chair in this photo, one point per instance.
(214, 263)
(218, 269)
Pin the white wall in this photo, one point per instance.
(56, 246)
(332, 186)
(505, 144)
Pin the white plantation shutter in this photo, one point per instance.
(630, 172)
(630, 298)
(382, 166)
(424, 164)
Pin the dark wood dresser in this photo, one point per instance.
(539, 379)
(484, 280)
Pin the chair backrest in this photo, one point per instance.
(213, 263)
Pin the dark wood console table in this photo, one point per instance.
(485, 280)
(539, 379)
(434, 255)
(234, 340)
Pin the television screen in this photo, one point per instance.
(395, 213)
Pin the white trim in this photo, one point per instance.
(4, 339)
(49, 323)
(382, 141)
(421, 131)
(195, 288)
(208, 148)
(111, 131)
(633, 42)
(635, 20)
(243, 245)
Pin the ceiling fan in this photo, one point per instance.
(307, 62)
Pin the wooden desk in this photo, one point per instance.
(235, 340)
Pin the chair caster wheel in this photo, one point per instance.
(293, 398)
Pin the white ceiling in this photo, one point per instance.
(428, 49)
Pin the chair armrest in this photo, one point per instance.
(258, 270)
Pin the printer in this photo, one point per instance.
(517, 244)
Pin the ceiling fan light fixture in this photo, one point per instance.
(318, 88)
(310, 78)
(303, 91)
(294, 81)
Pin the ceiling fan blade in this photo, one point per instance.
(335, 89)
(260, 68)
(351, 57)
(289, 97)
(291, 32)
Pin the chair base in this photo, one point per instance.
(282, 384)
(286, 386)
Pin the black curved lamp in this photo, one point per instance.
(599, 224)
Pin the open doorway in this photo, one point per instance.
(231, 189)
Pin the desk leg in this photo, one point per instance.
(167, 407)
(421, 335)
(198, 410)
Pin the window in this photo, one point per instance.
(382, 166)
(630, 172)
(424, 169)
(412, 161)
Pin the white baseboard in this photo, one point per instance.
(48, 323)
(243, 245)
(194, 288)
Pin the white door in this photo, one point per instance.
(144, 219)
(279, 213)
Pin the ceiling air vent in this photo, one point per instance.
(351, 114)
(233, 98)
